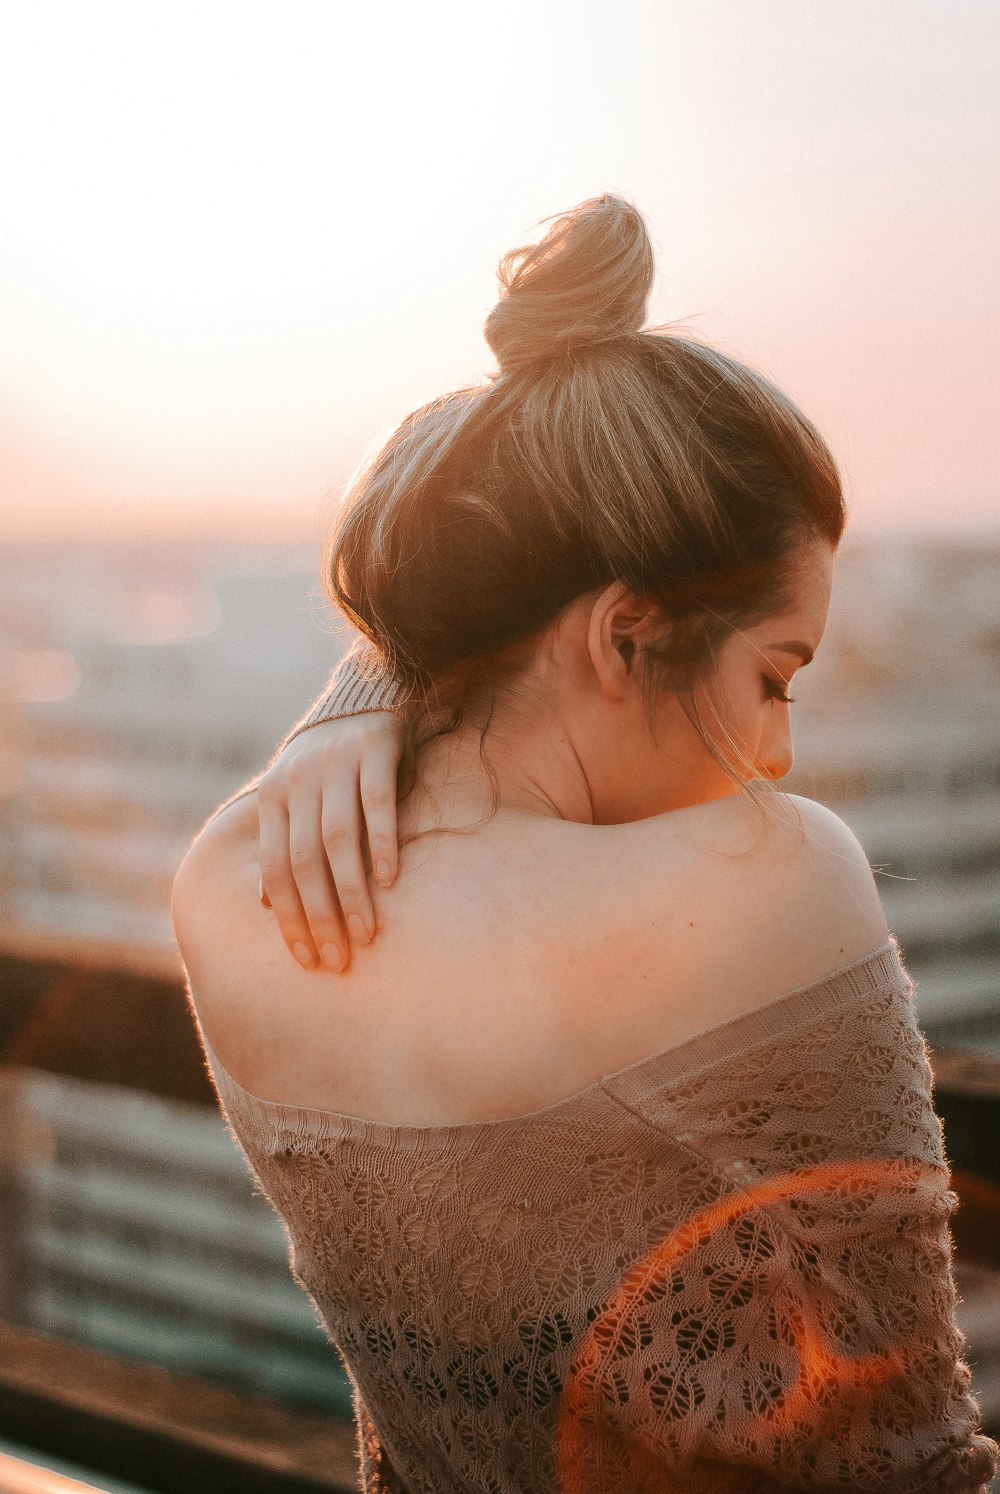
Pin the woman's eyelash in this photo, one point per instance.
(776, 691)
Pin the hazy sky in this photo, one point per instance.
(237, 241)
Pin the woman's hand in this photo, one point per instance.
(333, 781)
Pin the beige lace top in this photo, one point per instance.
(727, 1267)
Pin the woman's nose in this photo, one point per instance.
(779, 755)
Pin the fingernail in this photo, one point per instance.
(356, 924)
(304, 955)
(384, 875)
(332, 956)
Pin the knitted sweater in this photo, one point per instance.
(726, 1267)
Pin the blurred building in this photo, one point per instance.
(139, 689)
(130, 1225)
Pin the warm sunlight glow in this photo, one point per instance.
(236, 241)
(38, 675)
(821, 1364)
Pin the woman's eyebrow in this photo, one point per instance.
(803, 650)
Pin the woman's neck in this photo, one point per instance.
(535, 773)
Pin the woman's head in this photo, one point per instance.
(642, 756)
(599, 454)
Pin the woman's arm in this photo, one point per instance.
(357, 684)
(332, 783)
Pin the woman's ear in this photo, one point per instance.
(618, 621)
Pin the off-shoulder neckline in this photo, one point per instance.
(863, 977)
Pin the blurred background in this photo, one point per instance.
(237, 245)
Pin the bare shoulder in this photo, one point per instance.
(223, 850)
(231, 946)
(822, 870)
(231, 827)
(774, 899)
(239, 972)
(830, 839)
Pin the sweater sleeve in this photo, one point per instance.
(800, 1330)
(358, 683)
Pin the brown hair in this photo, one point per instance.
(598, 452)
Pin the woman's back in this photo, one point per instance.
(514, 966)
(715, 1262)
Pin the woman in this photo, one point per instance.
(611, 1163)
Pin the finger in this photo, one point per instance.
(265, 900)
(280, 882)
(341, 836)
(322, 886)
(407, 768)
(378, 805)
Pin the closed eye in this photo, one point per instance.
(776, 691)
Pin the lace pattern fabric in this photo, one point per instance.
(727, 1267)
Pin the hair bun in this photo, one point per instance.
(586, 282)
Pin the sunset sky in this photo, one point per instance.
(239, 241)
